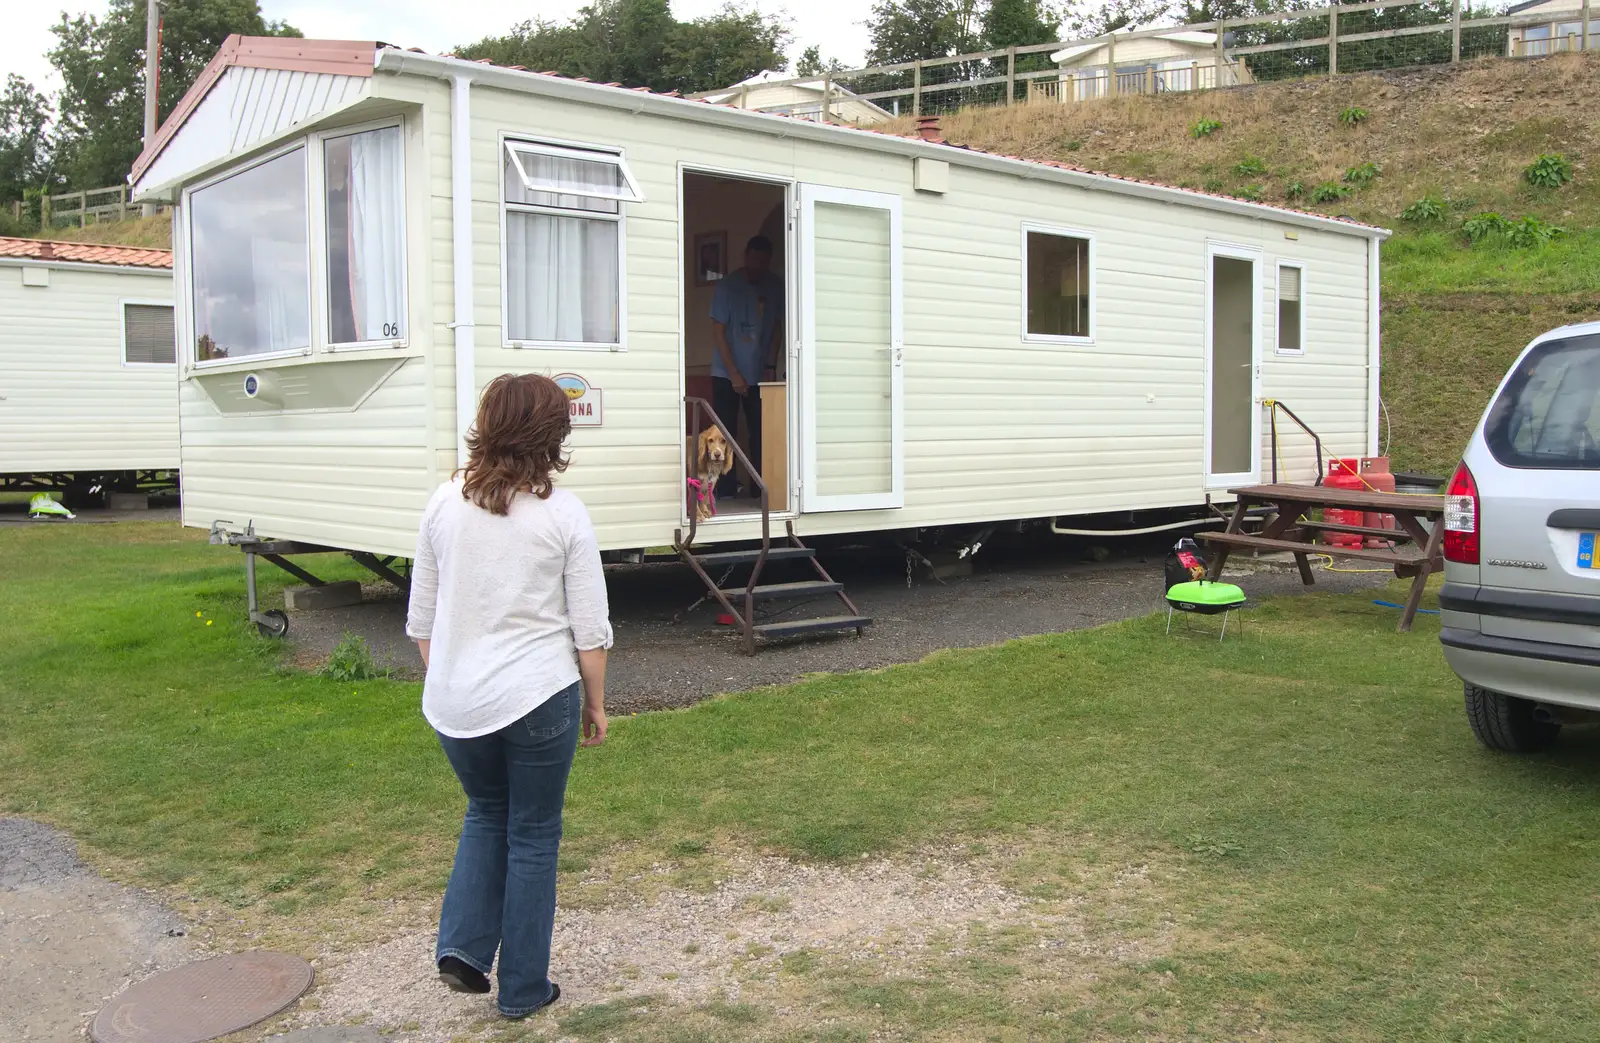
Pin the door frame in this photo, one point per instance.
(790, 333)
(1256, 257)
(809, 195)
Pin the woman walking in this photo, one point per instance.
(508, 607)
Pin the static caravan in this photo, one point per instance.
(88, 373)
(366, 235)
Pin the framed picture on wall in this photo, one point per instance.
(710, 257)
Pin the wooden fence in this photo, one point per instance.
(1302, 41)
(81, 208)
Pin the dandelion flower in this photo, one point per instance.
(197, 615)
(209, 622)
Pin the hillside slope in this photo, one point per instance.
(1454, 315)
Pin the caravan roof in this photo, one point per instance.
(340, 71)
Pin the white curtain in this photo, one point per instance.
(567, 183)
(561, 278)
(281, 302)
(376, 234)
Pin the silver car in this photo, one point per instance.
(1521, 599)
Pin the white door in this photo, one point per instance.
(851, 349)
(1233, 366)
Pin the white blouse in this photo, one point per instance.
(506, 600)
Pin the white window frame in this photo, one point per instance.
(1277, 310)
(190, 354)
(1094, 289)
(319, 252)
(565, 150)
(122, 314)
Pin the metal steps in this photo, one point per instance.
(771, 591)
(718, 559)
(819, 625)
(740, 602)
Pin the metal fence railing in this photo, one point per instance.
(1306, 41)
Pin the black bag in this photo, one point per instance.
(1185, 563)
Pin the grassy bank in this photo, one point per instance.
(1329, 854)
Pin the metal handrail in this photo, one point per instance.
(1274, 405)
(697, 407)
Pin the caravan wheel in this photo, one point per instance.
(272, 623)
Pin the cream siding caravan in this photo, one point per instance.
(88, 380)
(967, 338)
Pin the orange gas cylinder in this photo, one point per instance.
(1343, 473)
(1375, 469)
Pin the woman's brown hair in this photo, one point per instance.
(516, 442)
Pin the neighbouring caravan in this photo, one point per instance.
(366, 235)
(88, 377)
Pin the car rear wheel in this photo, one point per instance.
(1504, 722)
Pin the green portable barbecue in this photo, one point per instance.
(1204, 597)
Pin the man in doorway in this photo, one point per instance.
(747, 324)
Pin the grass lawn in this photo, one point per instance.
(1328, 853)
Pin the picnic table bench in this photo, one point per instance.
(1289, 531)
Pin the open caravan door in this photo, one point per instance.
(851, 349)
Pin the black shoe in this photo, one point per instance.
(555, 994)
(462, 976)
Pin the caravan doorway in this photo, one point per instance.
(738, 295)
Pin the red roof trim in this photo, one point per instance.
(85, 253)
(337, 57)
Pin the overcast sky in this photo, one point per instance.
(432, 25)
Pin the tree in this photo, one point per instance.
(912, 30)
(812, 64)
(638, 43)
(24, 156)
(1017, 23)
(724, 48)
(100, 123)
(1091, 18)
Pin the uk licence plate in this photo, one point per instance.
(1587, 558)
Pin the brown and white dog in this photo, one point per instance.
(713, 459)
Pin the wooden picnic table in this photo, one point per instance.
(1289, 530)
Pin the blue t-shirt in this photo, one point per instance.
(749, 312)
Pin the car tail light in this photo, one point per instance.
(1461, 518)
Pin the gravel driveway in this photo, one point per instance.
(665, 658)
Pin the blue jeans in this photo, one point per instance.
(502, 892)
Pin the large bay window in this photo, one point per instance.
(366, 236)
(249, 261)
(563, 244)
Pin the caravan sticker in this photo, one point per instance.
(583, 399)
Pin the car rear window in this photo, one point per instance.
(1549, 413)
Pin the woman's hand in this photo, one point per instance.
(594, 725)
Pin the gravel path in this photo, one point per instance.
(731, 944)
(659, 663)
(69, 939)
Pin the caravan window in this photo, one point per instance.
(563, 244)
(248, 259)
(366, 236)
(1059, 267)
(147, 337)
(1291, 310)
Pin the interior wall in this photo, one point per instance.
(742, 209)
(1232, 314)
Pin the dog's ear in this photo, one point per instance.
(700, 452)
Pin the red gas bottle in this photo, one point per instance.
(1344, 472)
(1375, 469)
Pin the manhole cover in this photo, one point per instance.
(203, 1000)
